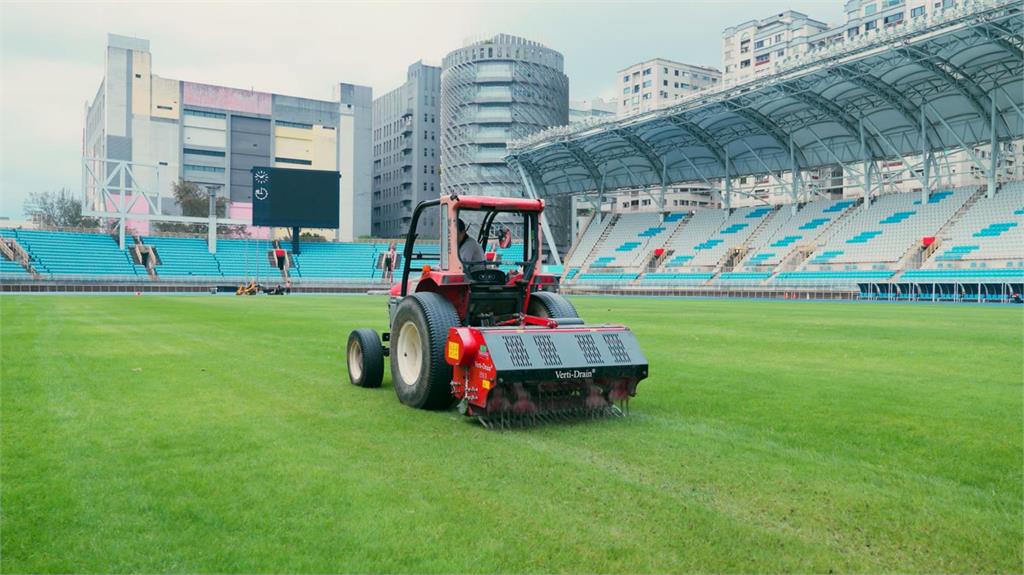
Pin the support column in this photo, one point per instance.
(727, 193)
(532, 194)
(794, 176)
(211, 240)
(925, 157)
(664, 184)
(867, 167)
(993, 151)
(121, 208)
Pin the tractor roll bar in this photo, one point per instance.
(410, 239)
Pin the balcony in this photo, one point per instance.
(406, 144)
(407, 113)
(407, 125)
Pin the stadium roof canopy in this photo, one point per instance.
(933, 83)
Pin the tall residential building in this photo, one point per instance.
(492, 91)
(580, 110)
(169, 130)
(757, 48)
(657, 83)
(406, 153)
(750, 47)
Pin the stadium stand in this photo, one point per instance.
(626, 242)
(786, 231)
(991, 231)
(883, 232)
(77, 254)
(978, 240)
(354, 262)
(11, 268)
(184, 257)
(693, 236)
(871, 244)
(585, 244)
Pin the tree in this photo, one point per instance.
(57, 210)
(196, 203)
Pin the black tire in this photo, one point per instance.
(364, 355)
(550, 305)
(423, 382)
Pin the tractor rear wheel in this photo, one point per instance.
(421, 376)
(365, 356)
(550, 305)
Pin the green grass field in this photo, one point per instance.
(217, 434)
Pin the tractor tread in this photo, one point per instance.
(553, 305)
(439, 316)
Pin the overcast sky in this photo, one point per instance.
(51, 54)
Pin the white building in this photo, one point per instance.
(157, 131)
(580, 110)
(748, 49)
(657, 83)
(757, 48)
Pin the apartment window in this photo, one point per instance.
(647, 96)
(891, 3)
(201, 114)
(625, 90)
(745, 64)
(647, 71)
(293, 125)
(894, 19)
(636, 99)
(779, 53)
(870, 25)
(676, 72)
(211, 153)
(665, 70)
(919, 11)
(778, 38)
(762, 59)
(870, 9)
(948, 4)
(675, 85)
(759, 44)
(293, 161)
(664, 82)
(636, 88)
(197, 168)
(647, 84)
(625, 78)
(851, 32)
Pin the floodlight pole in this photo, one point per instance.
(295, 240)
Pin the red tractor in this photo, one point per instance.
(490, 335)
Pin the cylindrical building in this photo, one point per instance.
(492, 91)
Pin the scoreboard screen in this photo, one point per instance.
(283, 197)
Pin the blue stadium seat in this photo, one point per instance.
(77, 253)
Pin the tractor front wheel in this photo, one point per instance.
(551, 305)
(421, 377)
(365, 356)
